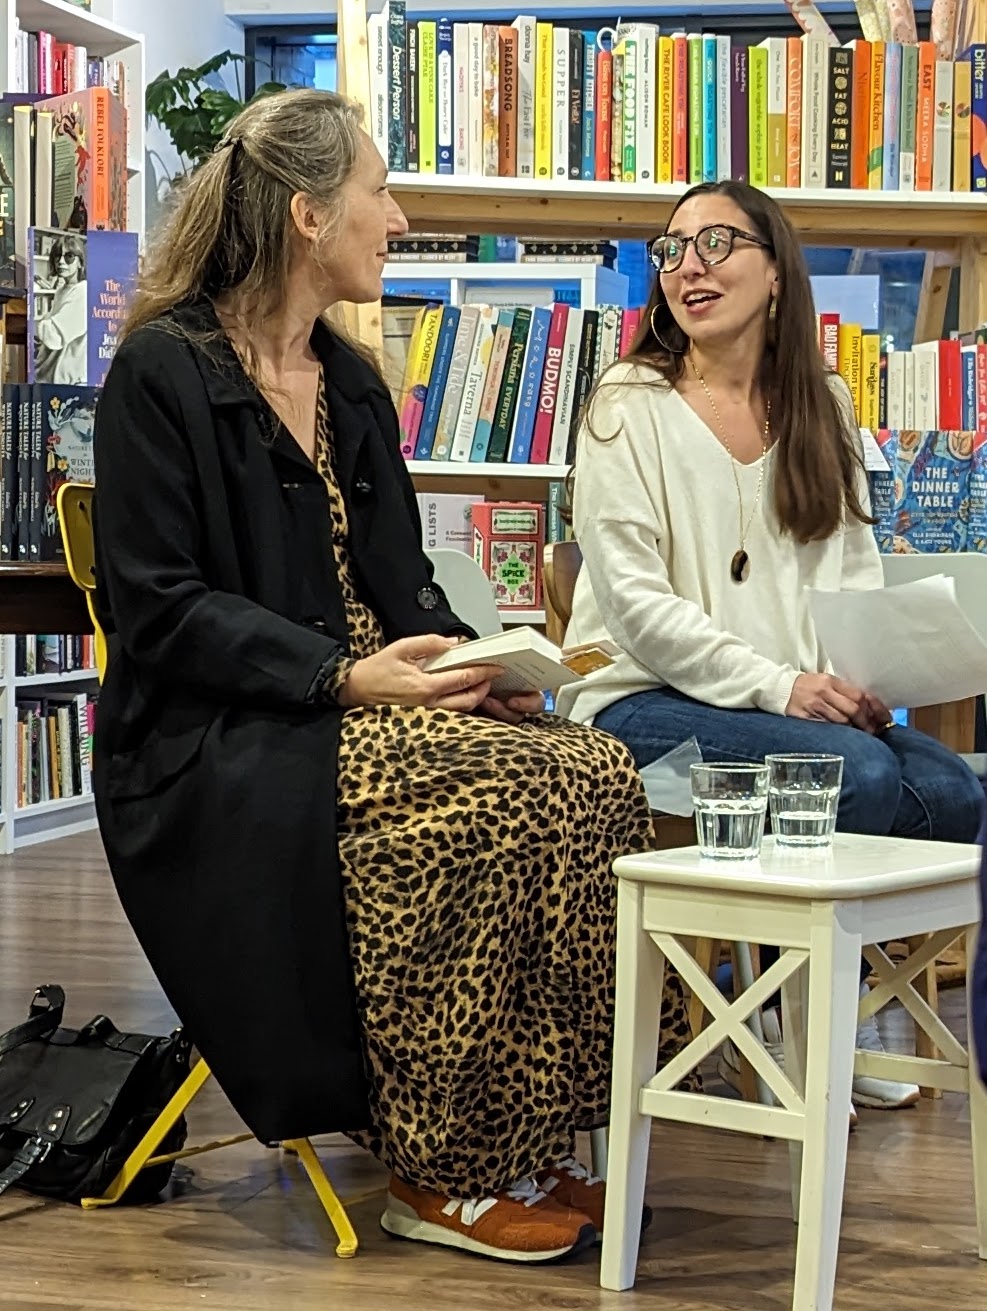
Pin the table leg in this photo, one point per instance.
(640, 977)
(827, 1038)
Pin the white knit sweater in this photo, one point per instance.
(656, 516)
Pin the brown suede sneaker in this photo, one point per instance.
(519, 1224)
(571, 1184)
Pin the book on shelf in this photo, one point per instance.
(934, 385)
(54, 746)
(933, 496)
(642, 103)
(63, 165)
(78, 287)
(530, 662)
(489, 385)
(43, 65)
(40, 654)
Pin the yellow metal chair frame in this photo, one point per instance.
(74, 505)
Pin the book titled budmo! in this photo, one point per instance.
(530, 662)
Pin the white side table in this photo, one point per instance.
(822, 911)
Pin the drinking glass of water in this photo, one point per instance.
(803, 794)
(730, 803)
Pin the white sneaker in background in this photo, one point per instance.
(882, 1094)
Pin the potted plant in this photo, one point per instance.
(193, 111)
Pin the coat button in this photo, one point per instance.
(363, 486)
(428, 598)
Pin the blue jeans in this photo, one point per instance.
(902, 783)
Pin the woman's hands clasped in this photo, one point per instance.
(826, 697)
(395, 677)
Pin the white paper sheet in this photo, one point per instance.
(909, 645)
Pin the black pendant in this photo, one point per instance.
(740, 566)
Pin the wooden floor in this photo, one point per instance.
(242, 1232)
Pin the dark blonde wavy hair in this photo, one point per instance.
(818, 458)
(228, 234)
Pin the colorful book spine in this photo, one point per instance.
(444, 95)
(891, 161)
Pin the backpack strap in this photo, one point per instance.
(42, 1020)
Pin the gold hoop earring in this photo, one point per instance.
(663, 344)
(773, 309)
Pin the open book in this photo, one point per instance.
(531, 663)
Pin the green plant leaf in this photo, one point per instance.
(193, 113)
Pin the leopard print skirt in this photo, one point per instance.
(476, 862)
(481, 908)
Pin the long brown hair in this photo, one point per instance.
(230, 226)
(818, 460)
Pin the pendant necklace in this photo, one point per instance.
(740, 563)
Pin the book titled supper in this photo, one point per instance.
(531, 663)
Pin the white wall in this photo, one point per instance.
(176, 32)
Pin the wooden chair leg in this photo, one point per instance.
(927, 987)
(708, 959)
(743, 977)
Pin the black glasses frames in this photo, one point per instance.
(713, 244)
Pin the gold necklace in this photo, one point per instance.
(740, 563)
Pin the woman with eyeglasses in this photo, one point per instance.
(719, 473)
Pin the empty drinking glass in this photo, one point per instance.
(730, 802)
(803, 794)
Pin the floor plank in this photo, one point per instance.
(241, 1231)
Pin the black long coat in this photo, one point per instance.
(214, 775)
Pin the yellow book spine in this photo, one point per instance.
(758, 111)
(851, 360)
(870, 381)
(962, 125)
(417, 373)
(544, 95)
(426, 98)
(664, 122)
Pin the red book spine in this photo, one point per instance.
(541, 442)
(950, 386)
(604, 112)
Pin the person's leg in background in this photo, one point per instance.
(882, 791)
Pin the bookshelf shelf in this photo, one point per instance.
(460, 204)
(76, 26)
(56, 680)
(57, 807)
(48, 820)
(598, 285)
(455, 468)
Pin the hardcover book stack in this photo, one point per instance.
(635, 103)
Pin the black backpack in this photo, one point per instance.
(75, 1103)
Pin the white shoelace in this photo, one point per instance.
(525, 1191)
(575, 1170)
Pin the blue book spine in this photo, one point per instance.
(969, 358)
(527, 404)
(445, 94)
(709, 108)
(892, 116)
(484, 426)
(587, 169)
(437, 382)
